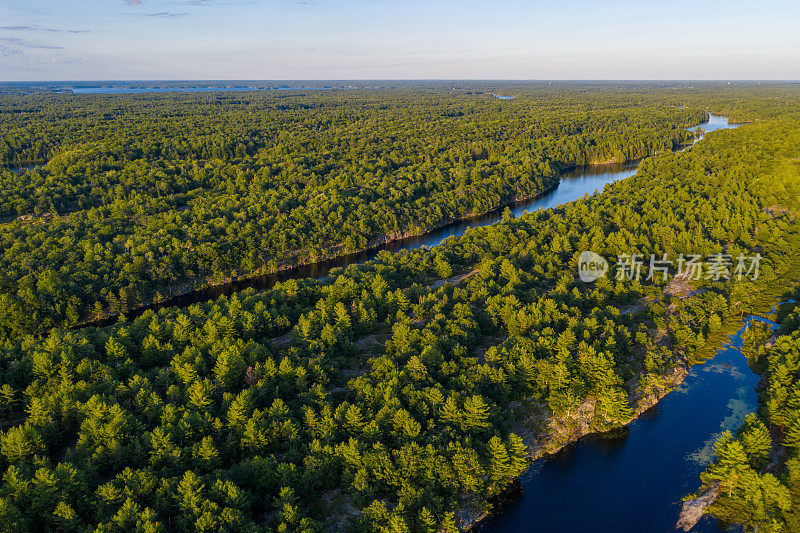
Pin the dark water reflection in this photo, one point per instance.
(574, 183)
(634, 483)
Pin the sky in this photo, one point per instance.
(398, 39)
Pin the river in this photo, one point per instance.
(635, 483)
(574, 183)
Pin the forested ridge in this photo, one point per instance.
(378, 399)
(146, 193)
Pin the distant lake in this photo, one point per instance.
(503, 97)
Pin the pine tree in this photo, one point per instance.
(206, 452)
(240, 409)
(7, 398)
(476, 414)
(731, 464)
(517, 454)
(792, 437)
(190, 492)
(19, 443)
(426, 522)
(198, 396)
(450, 413)
(342, 316)
(354, 419)
(449, 523)
(397, 524)
(755, 440)
(613, 406)
(500, 468)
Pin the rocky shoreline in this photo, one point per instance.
(564, 431)
(693, 510)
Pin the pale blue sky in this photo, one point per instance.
(374, 39)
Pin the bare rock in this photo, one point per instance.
(693, 510)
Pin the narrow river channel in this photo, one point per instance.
(574, 183)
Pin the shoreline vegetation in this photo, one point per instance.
(405, 393)
(170, 295)
(199, 285)
(565, 432)
(174, 296)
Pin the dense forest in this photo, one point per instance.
(401, 394)
(138, 197)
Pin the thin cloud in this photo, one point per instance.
(165, 14)
(26, 44)
(215, 3)
(23, 27)
(133, 2)
(6, 51)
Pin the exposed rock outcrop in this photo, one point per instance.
(693, 510)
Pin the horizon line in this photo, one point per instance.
(263, 80)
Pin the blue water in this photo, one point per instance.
(632, 484)
(636, 483)
(715, 122)
(575, 183)
(16, 168)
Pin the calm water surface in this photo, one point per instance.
(574, 183)
(636, 483)
(631, 484)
